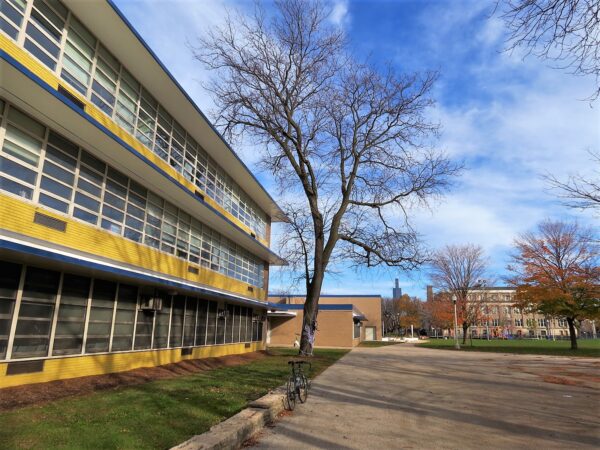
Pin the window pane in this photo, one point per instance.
(190, 322)
(143, 330)
(161, 327)
(9, 283)
(177, 321)
(35, 315)
(101, 313)
(201, 323)
(71, 315)
(22, 145)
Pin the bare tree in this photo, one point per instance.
(565, 31)
(458, 270)
(578, 191)
(348, 142)
(556, 271)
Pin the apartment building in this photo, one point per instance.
(131, 234)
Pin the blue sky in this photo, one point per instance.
(509, 119)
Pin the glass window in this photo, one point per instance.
(211, 325)
(190, 322)
(177, 315)
(11, 16)
(35, 314)
(124, 318)
(161, 327)
(68, 337)
(221, 326)
(44, 32)
(101, 316)
(10, 275)
(201, 323)
(229, 320)
(143, 330)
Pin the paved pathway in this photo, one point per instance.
(403, 396)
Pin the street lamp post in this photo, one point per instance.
(456, 344)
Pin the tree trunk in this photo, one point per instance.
(572, 333)
(311, 309)
(465, 328)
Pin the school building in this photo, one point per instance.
(343, 320)
(131, 234)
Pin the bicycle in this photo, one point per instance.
(297, 384)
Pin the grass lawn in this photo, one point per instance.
(158, 414)
(376, 343)
(587, 347)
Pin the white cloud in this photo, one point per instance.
(340, 15)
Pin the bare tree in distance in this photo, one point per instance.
(348, 143)
(564, 31)
(458, 270)
(578, 191)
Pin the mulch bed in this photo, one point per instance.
(36, 394)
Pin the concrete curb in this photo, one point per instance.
(231, 433)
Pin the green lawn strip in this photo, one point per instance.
(377, 343)
(158, 414)
(587, 347)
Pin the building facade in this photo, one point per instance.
(500, 318)
(131, 234)
(343, 320)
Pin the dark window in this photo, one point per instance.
(9, 283)
(101, 314)
(190, 322)
(35, 314)
(201, 323)
(161, 327)
(211, 327)
(68, 337)
(177, 321)
(230, 319)
(124, 318)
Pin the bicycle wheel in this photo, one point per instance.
(290, 397)
(302, 388)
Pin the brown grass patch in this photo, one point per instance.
(35, 394)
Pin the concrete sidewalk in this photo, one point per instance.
(404, 396)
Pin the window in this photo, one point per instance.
(175, 340)
(230, 324)
(143, 330)
(9, 283)
(68, 337)
(32, 335)
(562, 323)
(221, 326)
(101, 316)
(201, 323)
(211, 324)
(248, 334)
(78, 56)
(189, 321)
(74, 182)
(542, 323)
(495, 322)
(11, 16)
(356, 334)
(161, 326)
(518, 322)
(236, 324)
(124, 318)
(44, 31)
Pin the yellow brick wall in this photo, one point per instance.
(49, 77)
(17, 215)
(81, 366)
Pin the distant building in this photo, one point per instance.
(396, 291)
(343, 321)
(500, 318)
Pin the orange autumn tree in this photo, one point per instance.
(556, 272)
(438, 311)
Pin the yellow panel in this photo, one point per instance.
(17, 215)
(49, 77)
(81, 366)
